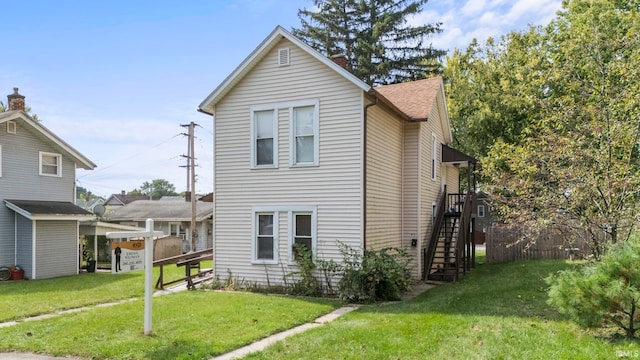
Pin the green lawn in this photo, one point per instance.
(496, 312)
(186, 325)
(21, 299)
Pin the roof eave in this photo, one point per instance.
(80, 159)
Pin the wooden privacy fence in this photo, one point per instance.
(504, 243)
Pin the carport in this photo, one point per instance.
(97, 228)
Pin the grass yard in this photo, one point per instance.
(21, 299)
(186, 325)
(496, 312)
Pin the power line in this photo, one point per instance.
(119, 162)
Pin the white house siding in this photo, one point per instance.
(410, 196)
(453, 179)
(334, 186)
(384, 179)
(53, 257)
(21, 180)
(430, 190)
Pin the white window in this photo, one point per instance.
(176, 229)
(302, 225)
(264, 135)
(434, 150)
(265, 237)
(434, 211)
(480, 210)
(50, 164)
(304, 135)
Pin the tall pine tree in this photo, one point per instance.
(381, 47)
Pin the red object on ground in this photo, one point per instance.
(17, 274)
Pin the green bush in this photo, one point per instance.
(305, 283)
(602, 293)
(372, 275)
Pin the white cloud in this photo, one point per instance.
(473, 8)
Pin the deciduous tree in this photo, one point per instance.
(577, 163)
(156, 189)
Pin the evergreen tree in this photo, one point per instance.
(380, 46)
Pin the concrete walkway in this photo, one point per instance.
(262, 344)
(259, 345)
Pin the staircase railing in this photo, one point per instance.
(435, 231)
(463, 237)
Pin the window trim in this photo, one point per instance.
(481, 213)
(316, 133)
(434, 150)
(58, 164)
(0, 160)
(12, 127)
(255, 212)
(178, 224)
(253, 131)
(310, 210)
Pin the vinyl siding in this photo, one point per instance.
(410, 199)
(55, 245)
(24, 237)
(384, 179)
(429, 189)
(334, 186)
(21, 180)
(453, 179)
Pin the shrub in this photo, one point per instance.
(305, 283)
(372, 275)
(602, 293)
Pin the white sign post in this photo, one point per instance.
(148, 235)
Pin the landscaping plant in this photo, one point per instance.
(602, 293)
(373, 275)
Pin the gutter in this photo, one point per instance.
(364, 173)
(204, 112)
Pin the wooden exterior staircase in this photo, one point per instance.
(450, 252)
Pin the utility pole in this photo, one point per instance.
(191, 181)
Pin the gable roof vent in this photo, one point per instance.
(283, 57)
(11, 127)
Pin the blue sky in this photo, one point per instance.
(116, 79)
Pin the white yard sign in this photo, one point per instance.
(148, 234)
(127, 256)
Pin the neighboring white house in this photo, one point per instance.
(307, 153)
(39, 221)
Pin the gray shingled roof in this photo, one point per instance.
(142, 210)
(35, 207)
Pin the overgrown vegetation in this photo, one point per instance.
(372, 275)
(553, 113)
(604, 293)
(361, 277)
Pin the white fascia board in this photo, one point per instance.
(63, 217)
(82, 160)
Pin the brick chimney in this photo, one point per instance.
(340, 59)
(15, 100)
